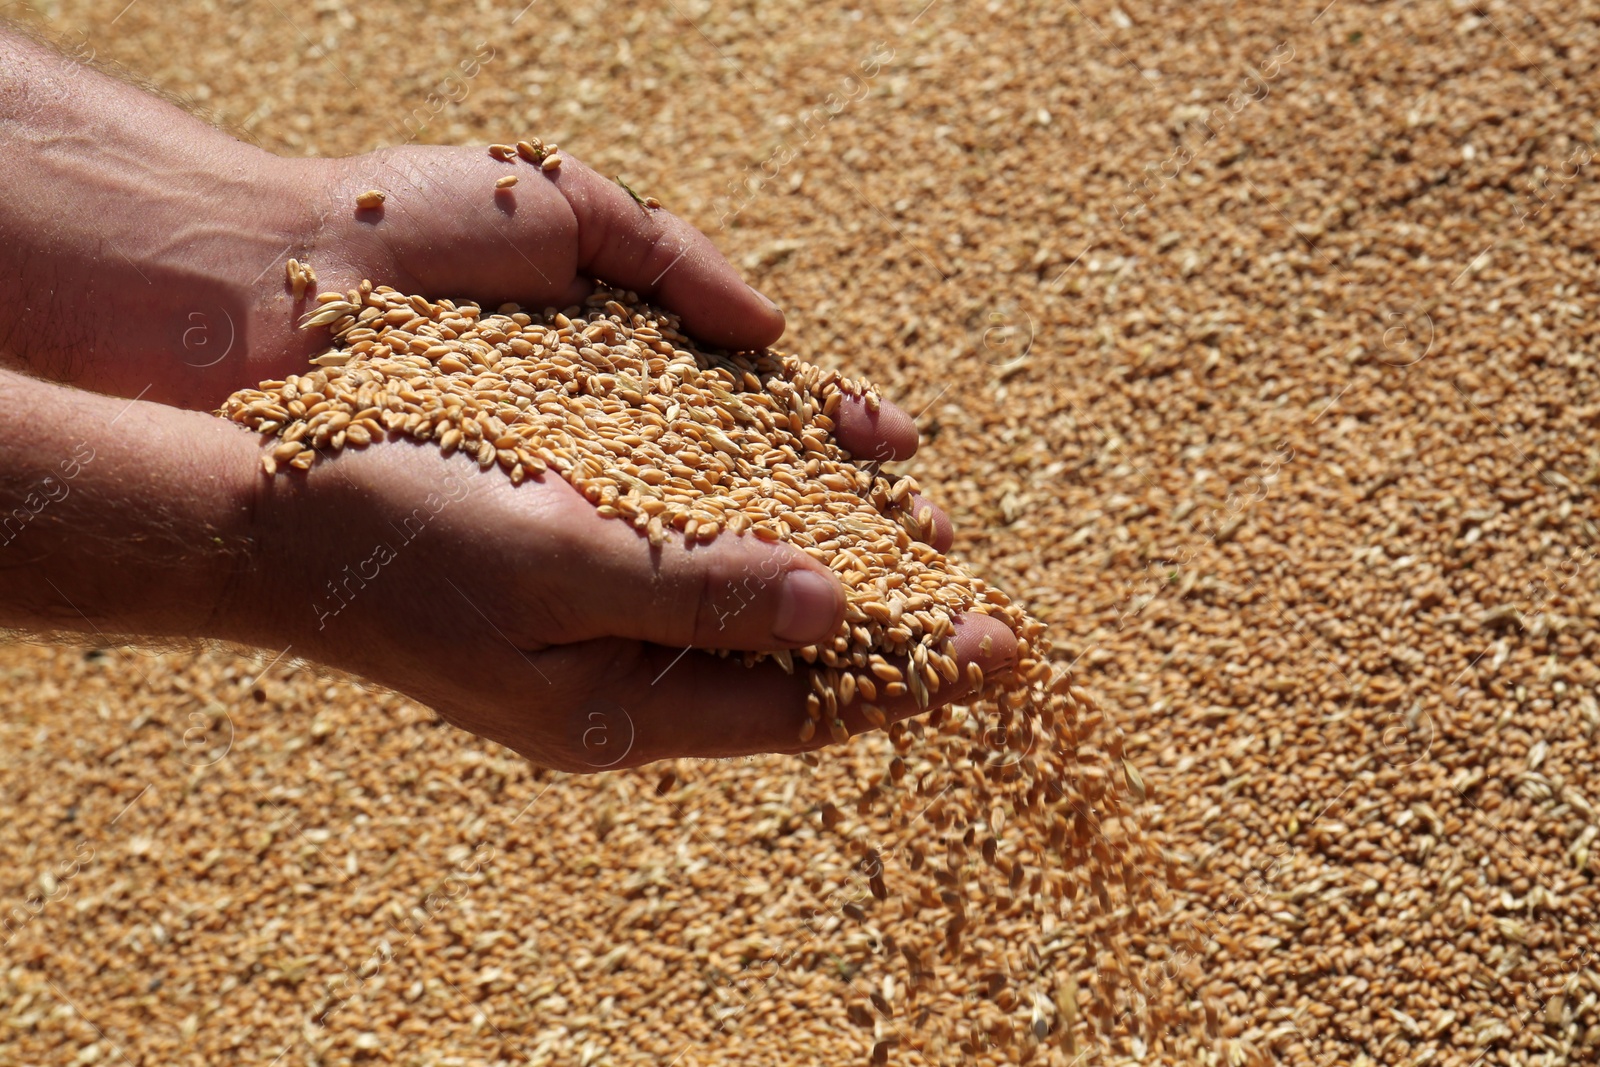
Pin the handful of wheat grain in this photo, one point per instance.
(668, 437)
(682, 441)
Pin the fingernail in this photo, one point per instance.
(763, 297)
(808, 608)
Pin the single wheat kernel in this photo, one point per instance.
(888, 672)
(507, 182)
(370, 199)
(297, 280)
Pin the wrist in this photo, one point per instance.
(297, 524)
(253, 605)
(124, 518)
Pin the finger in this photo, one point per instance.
(701, 705)
(735, 592)
(970, 633)
(663, 258)
(881, 436)
(934, 523)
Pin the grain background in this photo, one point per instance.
(1253, 350)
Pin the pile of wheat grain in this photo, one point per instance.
(1251, 350)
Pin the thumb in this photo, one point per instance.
(737, 592)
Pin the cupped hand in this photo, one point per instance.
(522, 615)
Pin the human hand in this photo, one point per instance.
(166, 279)
(520, 614)
(143, 252)
(517, 611)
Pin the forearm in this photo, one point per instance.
(118, 517)
(118, 201)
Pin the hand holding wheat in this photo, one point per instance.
(152, 261)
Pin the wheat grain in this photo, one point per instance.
(298, 280)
